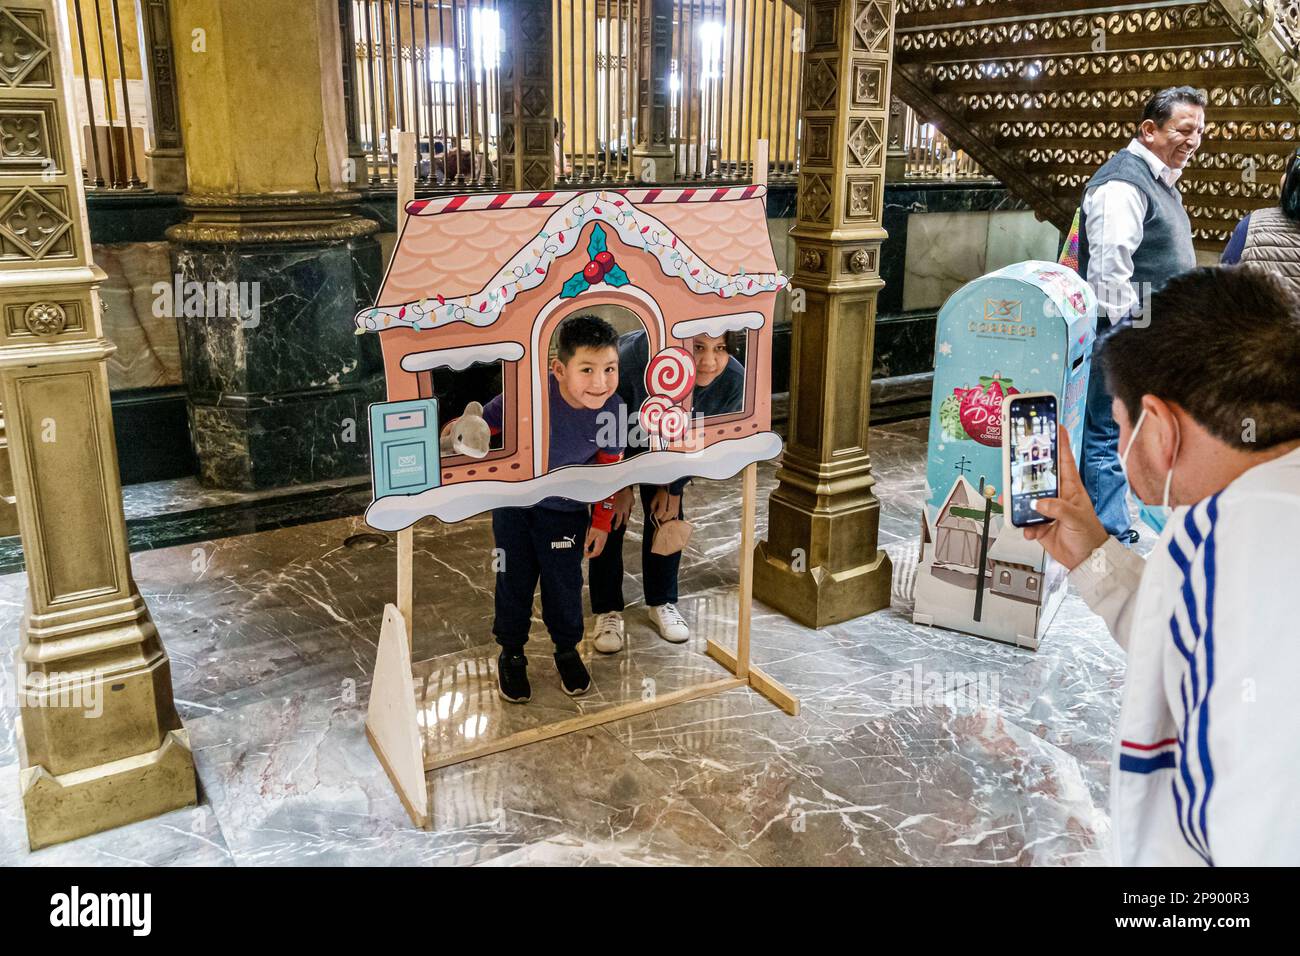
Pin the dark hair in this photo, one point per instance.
(584, 331)
(1161, 106)
(1291, 188)
(1224, 344)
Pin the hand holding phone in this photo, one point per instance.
(1074, 531)
(1031, 457)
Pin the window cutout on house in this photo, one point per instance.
(480, 382)
(721, 373)
(1032, 583)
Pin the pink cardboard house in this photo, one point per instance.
(487, 278)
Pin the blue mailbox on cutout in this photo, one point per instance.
(404, 447)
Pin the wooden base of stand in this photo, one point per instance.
(392, 722)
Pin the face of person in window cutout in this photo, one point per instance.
(711, 356)
(589, 378)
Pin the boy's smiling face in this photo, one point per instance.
(589, 378)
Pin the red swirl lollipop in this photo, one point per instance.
(674, 424)
(671, 374)
(653, 410)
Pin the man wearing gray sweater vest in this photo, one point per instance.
(1134, 236)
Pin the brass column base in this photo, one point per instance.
(82, 802)
(99, 742)
(819, 597)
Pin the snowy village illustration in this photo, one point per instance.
(485, 279)
(1026, 328)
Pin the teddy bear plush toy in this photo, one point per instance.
(468, 435)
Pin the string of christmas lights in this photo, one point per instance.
(528, 268)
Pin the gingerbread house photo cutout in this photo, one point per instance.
(467, 319)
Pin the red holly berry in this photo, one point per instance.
(592, 272)
(605, 260)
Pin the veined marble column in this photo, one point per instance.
(99, 741)
(277, 391)
(820, 563)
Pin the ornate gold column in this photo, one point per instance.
(653, 159)
(99, 741)
(820, 563)
(167, 157)
(8, 504)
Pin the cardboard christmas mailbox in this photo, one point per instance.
(1027, 328)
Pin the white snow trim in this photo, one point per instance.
(464, 357)
(1012, 547)
(716, 325)
(589, 483)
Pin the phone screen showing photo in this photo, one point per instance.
(1032, 446)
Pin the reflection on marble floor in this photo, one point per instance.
(273, 636)
(456, 694)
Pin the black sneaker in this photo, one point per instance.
(512, 678)
(573, 673)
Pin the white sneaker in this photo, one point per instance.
(672, 626)
(609, 632)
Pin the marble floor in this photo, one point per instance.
(272, 638)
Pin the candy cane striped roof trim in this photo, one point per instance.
(465, 203)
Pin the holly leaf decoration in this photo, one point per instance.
(576, 285)
(987, 380)
(597, 242)
(616, 277)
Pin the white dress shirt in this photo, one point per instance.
(1206, 749)
(1115, 211)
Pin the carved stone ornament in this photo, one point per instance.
(811, 260)
(45, 318)
(1259, 21)
(860, 262)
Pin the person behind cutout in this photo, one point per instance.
(719, 390)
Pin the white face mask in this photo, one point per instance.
(1155, 517)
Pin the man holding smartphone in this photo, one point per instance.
(1207, 399)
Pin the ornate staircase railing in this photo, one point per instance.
(1041, 93)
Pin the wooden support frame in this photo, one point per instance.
(392, 724)
(392, 720)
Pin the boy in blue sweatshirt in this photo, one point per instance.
(547, 541)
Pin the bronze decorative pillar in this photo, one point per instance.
(99, 741)
(896, 150)
(652, 155)
(820, 563)
(167, 156)
(527, 147)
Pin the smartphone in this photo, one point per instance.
(1029, 454)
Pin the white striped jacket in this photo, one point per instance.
(1208, 743)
